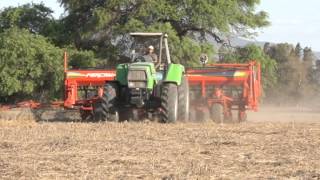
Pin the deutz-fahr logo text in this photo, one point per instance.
(89, 75)
(100, 75)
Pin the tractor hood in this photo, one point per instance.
(148, 66)
(137, 72)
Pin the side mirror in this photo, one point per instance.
(204, 59)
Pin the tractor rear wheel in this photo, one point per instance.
(169, 103)
(98, 113)
(217, 113)
(106, 107)
(86, 115)
(183, 102)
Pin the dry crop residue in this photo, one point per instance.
(152, 150)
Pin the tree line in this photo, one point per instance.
(94, 33)
(290, 74)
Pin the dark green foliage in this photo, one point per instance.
(184, 16)
(37, 18)
(97, 24)
(29, 65)
(81, 59)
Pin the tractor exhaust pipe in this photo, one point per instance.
(167, 48)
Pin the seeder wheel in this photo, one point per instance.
(199, 115)
(242, 116)
(217, 113)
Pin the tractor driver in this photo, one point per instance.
(154, 57)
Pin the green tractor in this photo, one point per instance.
(145, 87)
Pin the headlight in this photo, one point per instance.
(137, 84)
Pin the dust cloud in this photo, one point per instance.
(276, 113)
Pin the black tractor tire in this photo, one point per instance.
(134, 115)
(105, 108)
(183, 100)
(169, 103)
(86, 115)
(217, 113)
(98, 113)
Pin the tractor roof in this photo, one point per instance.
(146, 34)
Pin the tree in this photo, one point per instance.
(81, 59)
(309, 62)
(295, 73)
(102, 23)
(317, 72)
(308, 55)
(280, 52)
(298, 51)
(38, 19)
(29, 66)
(266, 47)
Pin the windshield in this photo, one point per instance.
(141, 44)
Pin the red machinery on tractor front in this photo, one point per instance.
(83, 88)
(215, 90)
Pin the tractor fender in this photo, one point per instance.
(174, 74)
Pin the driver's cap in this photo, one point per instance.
(151, 47)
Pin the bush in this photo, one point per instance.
(30, 66)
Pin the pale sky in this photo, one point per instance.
(292, 20)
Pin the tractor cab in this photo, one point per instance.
(150, 60)
(157, 43)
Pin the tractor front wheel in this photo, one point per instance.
(86, 115)
(98, 113)
(169, 103)
(106, 107)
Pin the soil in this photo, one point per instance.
(276, 143)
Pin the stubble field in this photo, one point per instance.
(258, 149)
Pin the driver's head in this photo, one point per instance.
(150, 49)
